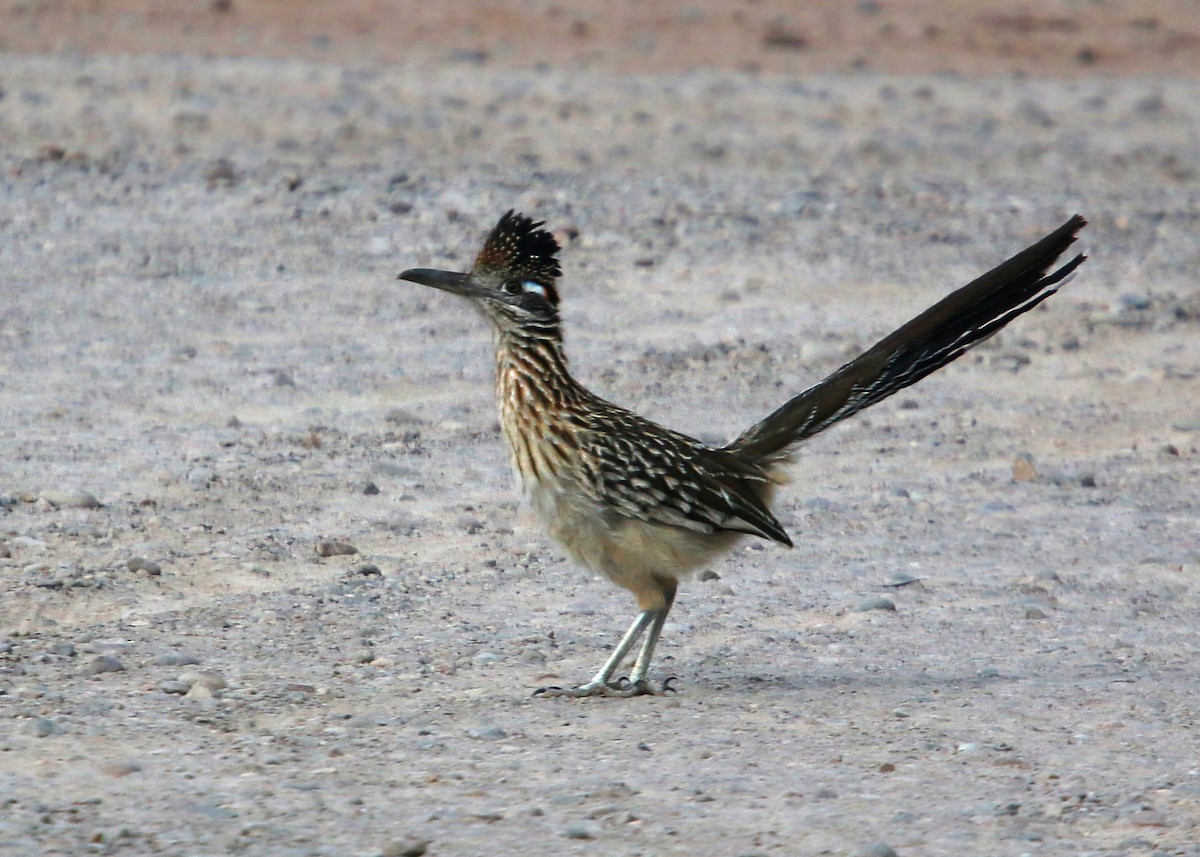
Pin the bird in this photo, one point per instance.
(645, 506)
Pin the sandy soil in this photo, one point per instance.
(208, 374)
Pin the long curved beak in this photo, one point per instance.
(447, 281)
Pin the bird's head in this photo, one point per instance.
(513, 280)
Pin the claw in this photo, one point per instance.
(623, 688)
(666, 685)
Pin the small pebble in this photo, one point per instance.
(199, 691)
(201, 477)
(581, 831)
(877, 849)
(876, 603)
(487, 732)
(120, 769)
(221, 174)
(140, 563)
(370, 488)
(63, 649)
(204, 678)
(1148, 818)
(73, 498)
(174, 687)
(405, 848)
(103, 664)
(1134, 302)
(176, 659)
(41, 727)
(1034, 613)
(328, 547)
(1023, 468)
(400, 416)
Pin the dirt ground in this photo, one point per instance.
(210, 378)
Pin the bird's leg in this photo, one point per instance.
(642, 665)
(649, 622)
(602, 683)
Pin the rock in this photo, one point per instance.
(200, 691)
(201, 477)
(221, 174)
(203, 678)
(177, 688)
(405, 848)
(140, 563)
(1023, 469)
(399, 416)
(73, 498)
(1134, 302)
(487, 732)
(41, 727)
(176, 659)
(876, 849)
(875, 603)
(120, 769)
(328, 547)
(103, 664)
(1148, 818)
(582, 830)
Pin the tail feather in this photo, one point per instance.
(928, 342)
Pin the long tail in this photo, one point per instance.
(931, 340)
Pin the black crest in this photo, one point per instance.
(516, 247)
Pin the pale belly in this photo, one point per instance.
(633, 554)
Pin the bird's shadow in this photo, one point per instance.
(839, 681)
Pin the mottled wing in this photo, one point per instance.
(651, 473)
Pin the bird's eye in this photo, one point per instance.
(512, 287)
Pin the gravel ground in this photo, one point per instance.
(264, 584)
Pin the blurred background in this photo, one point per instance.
(1060, 37)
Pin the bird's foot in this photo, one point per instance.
(622, 688)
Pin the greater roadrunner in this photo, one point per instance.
(646, 506)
